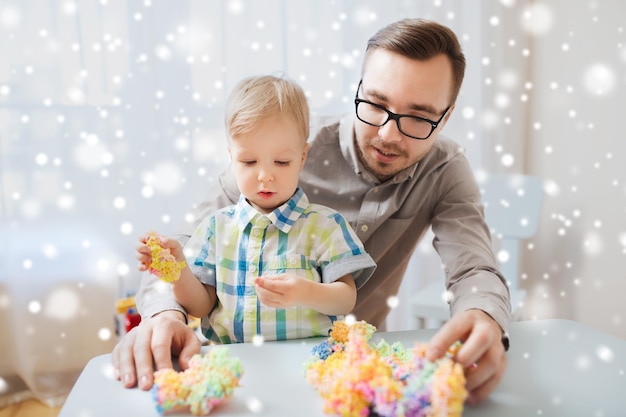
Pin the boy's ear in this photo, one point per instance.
(305, 152)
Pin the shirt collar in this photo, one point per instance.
(347, 141)
(283, 217)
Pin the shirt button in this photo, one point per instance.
(249, 309)
(292, 261)
(256, 232)
(364, 228)
(252, 268)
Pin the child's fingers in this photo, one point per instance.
(267, 297)
(174, 247)
(172, 244)
(169, 243)
(143, 238)
(143, 257)
(142, 251)
(269, 284)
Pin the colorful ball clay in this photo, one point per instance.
(209, 381)
(164, 265)
(357, 379)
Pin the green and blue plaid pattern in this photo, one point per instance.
(236, 244)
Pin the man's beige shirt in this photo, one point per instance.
(390, 218)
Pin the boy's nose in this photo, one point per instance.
(265, 175)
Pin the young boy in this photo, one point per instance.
(273, 264)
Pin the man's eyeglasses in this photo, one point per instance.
(412, 126)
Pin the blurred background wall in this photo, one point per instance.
(112, 125)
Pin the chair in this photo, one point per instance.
(512, 211)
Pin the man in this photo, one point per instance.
(389, 172)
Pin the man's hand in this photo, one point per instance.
(153, 343)
(482, 354)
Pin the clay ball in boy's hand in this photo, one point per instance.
(164, 265)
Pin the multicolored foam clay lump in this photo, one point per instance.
(357, 379)
(164, 265)
(210, 380)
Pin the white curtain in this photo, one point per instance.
(111, 116)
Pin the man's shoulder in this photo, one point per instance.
(325, 129)
(444, 164)
(227, 212)
(448, 146)
(314, 208)
(443, 152)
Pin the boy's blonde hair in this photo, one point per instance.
(258, 99)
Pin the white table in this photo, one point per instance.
(555, 368)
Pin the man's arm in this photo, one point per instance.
(163, 331)
(480, 303)
(154, 297)
(463, 241)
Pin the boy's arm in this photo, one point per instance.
(285, 290)
(153, 297)
(196, 298)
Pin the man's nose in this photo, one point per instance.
(390, 132)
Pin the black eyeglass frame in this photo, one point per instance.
(395, 116)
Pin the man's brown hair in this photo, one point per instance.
(421, 39)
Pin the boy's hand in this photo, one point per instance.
(174, 246)
(280, 291)
(144, 255)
